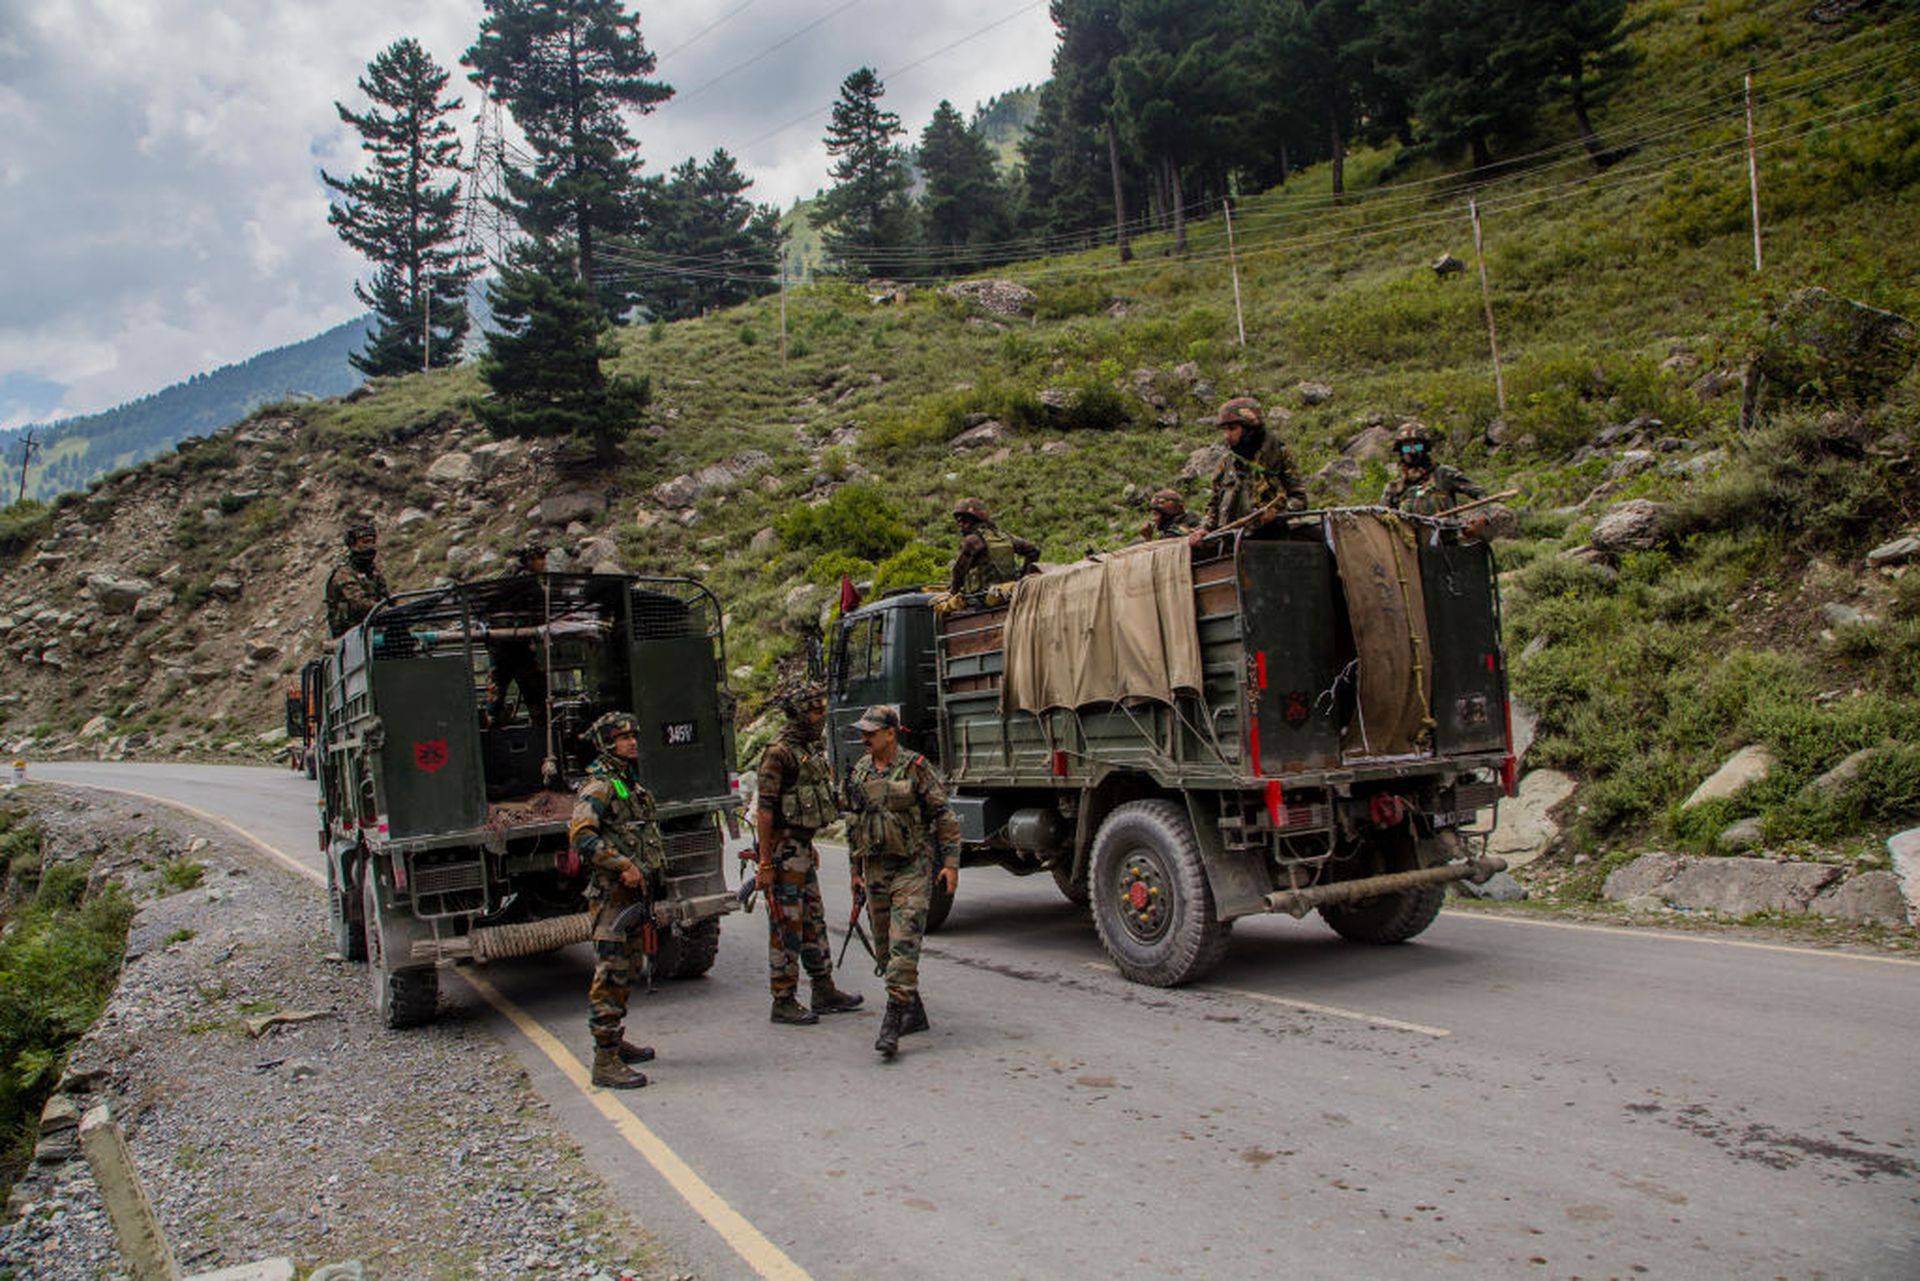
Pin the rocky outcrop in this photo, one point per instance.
(1871, 897)
(1527, 828)
(995, 297)
(1741, 770)
(1904, 849)
(685, 490)
(1313, 393)
(453, 468)
(1736, 887)
(1638, 525)
(117, 595)
(985, 434)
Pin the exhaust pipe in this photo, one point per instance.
(1298, 903)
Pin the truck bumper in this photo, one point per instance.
(1300, 902)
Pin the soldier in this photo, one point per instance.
(615, 835)
(1256, 476)
(531, 558)
(987, 556)
(355, 585)
(1167, 517)
(1423, 487)
(900, 820)
(796, 799)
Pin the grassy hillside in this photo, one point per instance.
(1620, 296)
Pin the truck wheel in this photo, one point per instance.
(939, 903)
(402, 998)
(689, 953)
(349, 935)
(1151, 901)
(1386, 918)
(1075, 890)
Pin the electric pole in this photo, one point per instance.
(26, 458)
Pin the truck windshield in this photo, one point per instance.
(862, 651)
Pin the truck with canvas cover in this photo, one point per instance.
(450, 736)
(1314, 718)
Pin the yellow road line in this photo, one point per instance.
(1673, 936)
(1312, 1007)
(747, 1241)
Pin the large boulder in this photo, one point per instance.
(1904, 849)
(453, 468)
(1646, 875)
(1373, 442)
(1741, 770)
(1203, 462)
(988, 433)
(1527, 828)
(1822, 345)
(1636, 525)
(1873, 897)
(564, 508)
(1338, 477)
(996, 297)
(1897, 551)
(685, 490)
(495, 456)
(1743, 886)
(117, 595)
(1313, 393)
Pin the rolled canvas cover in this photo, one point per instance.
(1103, 631)
(1379, 566)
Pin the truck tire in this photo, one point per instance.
(689, 953)
(402, 998)
(1387, 918)
(939, 904)
(1075, 890)
(349, 935)
(1146, 863)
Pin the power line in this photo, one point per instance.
(695, 38)
(768, 52)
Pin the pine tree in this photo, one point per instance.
(568, 70)
(700, 214)
(865, 216)
(544, 364)
(964, 204)
(1324, 49)
(403, 213)
(1174, 97)
(1582, 46)
(1089, 41)
(1469, 67)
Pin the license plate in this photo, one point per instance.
(679, 733)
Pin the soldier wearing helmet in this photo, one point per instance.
(987, 556)
(1257, 478)
(616, 837)
(530, 558)
(1167, 517)
(1423, 487)
(355, 586)
(796, 799)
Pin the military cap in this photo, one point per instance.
(1167, 500)
(971, 507)
(879, 716)
(1241, 411)
(609, 727)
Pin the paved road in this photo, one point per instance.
(1501, 1098)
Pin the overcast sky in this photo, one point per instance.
(161, 210)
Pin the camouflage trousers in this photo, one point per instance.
(797, 930)
(898, 890)
(618, 959)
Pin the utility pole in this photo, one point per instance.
(26, 458)
(1486, 301)
(783, 306)
(426, 325)
(1233, 268)
(1753, 176)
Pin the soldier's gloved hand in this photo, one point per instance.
(632, 877)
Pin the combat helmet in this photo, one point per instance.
(1241, 411)
(609, 727)
(1414, 443)
(972, 509)
(357, 526)
(1167, 502)
(795, 697)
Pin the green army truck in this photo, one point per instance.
(1313, 719)
(450, 735)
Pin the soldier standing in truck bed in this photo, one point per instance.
(1256, 476)
(900, 824)
(355, 586)
(615, 835)
(795, 800)
(1167, 517)
(987, 555)
(1424, 487)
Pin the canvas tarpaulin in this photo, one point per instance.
(1379, 565)
(1103, 631)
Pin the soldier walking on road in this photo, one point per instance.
(1256, 476)
(1167, 517)
(796, 799)
(1423, 487)
(900, 821)
(614, 833)
(355, 586)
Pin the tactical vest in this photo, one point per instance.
(630, 823)
(807, 801)
(887, 822)
(1001, 564)
(1439, 492)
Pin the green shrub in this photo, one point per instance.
(182, 873)
(22, 524)
(827, 568)
(914, 565)
(1061, 299)
(857, 520)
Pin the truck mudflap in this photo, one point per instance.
(1300, 902)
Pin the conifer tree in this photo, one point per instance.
(1325, 51)
(964, 203)
(1468, 65)
(1090, 40)
(1581, 45)
(403, 212)
(866, 217)
(568, 71)
(700, 214)
(544, 364)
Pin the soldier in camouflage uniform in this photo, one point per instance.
(987, 556)
(1424, 487)
(1257, 475)
(1167, 517)
(615, 835)
(355, 586)
(796, 799)
(900, 822)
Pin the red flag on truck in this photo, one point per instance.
(849, 595)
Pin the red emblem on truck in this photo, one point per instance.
(430, 755)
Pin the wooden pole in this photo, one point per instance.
(26, 461)
(1486, 301)
(783, 307)
(1233, 268)
(1753, 176)
(426, 326)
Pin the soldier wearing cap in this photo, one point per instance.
(795, 800)
(987, 555)
(355, 586)
(1423, 487)
(615, 835)
(900, 823)
(1257, 477)
(1167, 517)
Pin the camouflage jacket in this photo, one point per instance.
(901, 811)
(1242, 486)
(988, 556)
(1176, 526)
(1443, 489)
(613, 825)
(352, 593)
(795, 784)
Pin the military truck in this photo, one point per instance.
(1312, 719)
(451, 732)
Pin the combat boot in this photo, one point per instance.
(916, 1018)
(828, 999)
(888, 1042)
(787, 1009)
(610, 1073)
(631, 1053)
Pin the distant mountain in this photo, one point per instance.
(1004, 121)
(76, 450)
